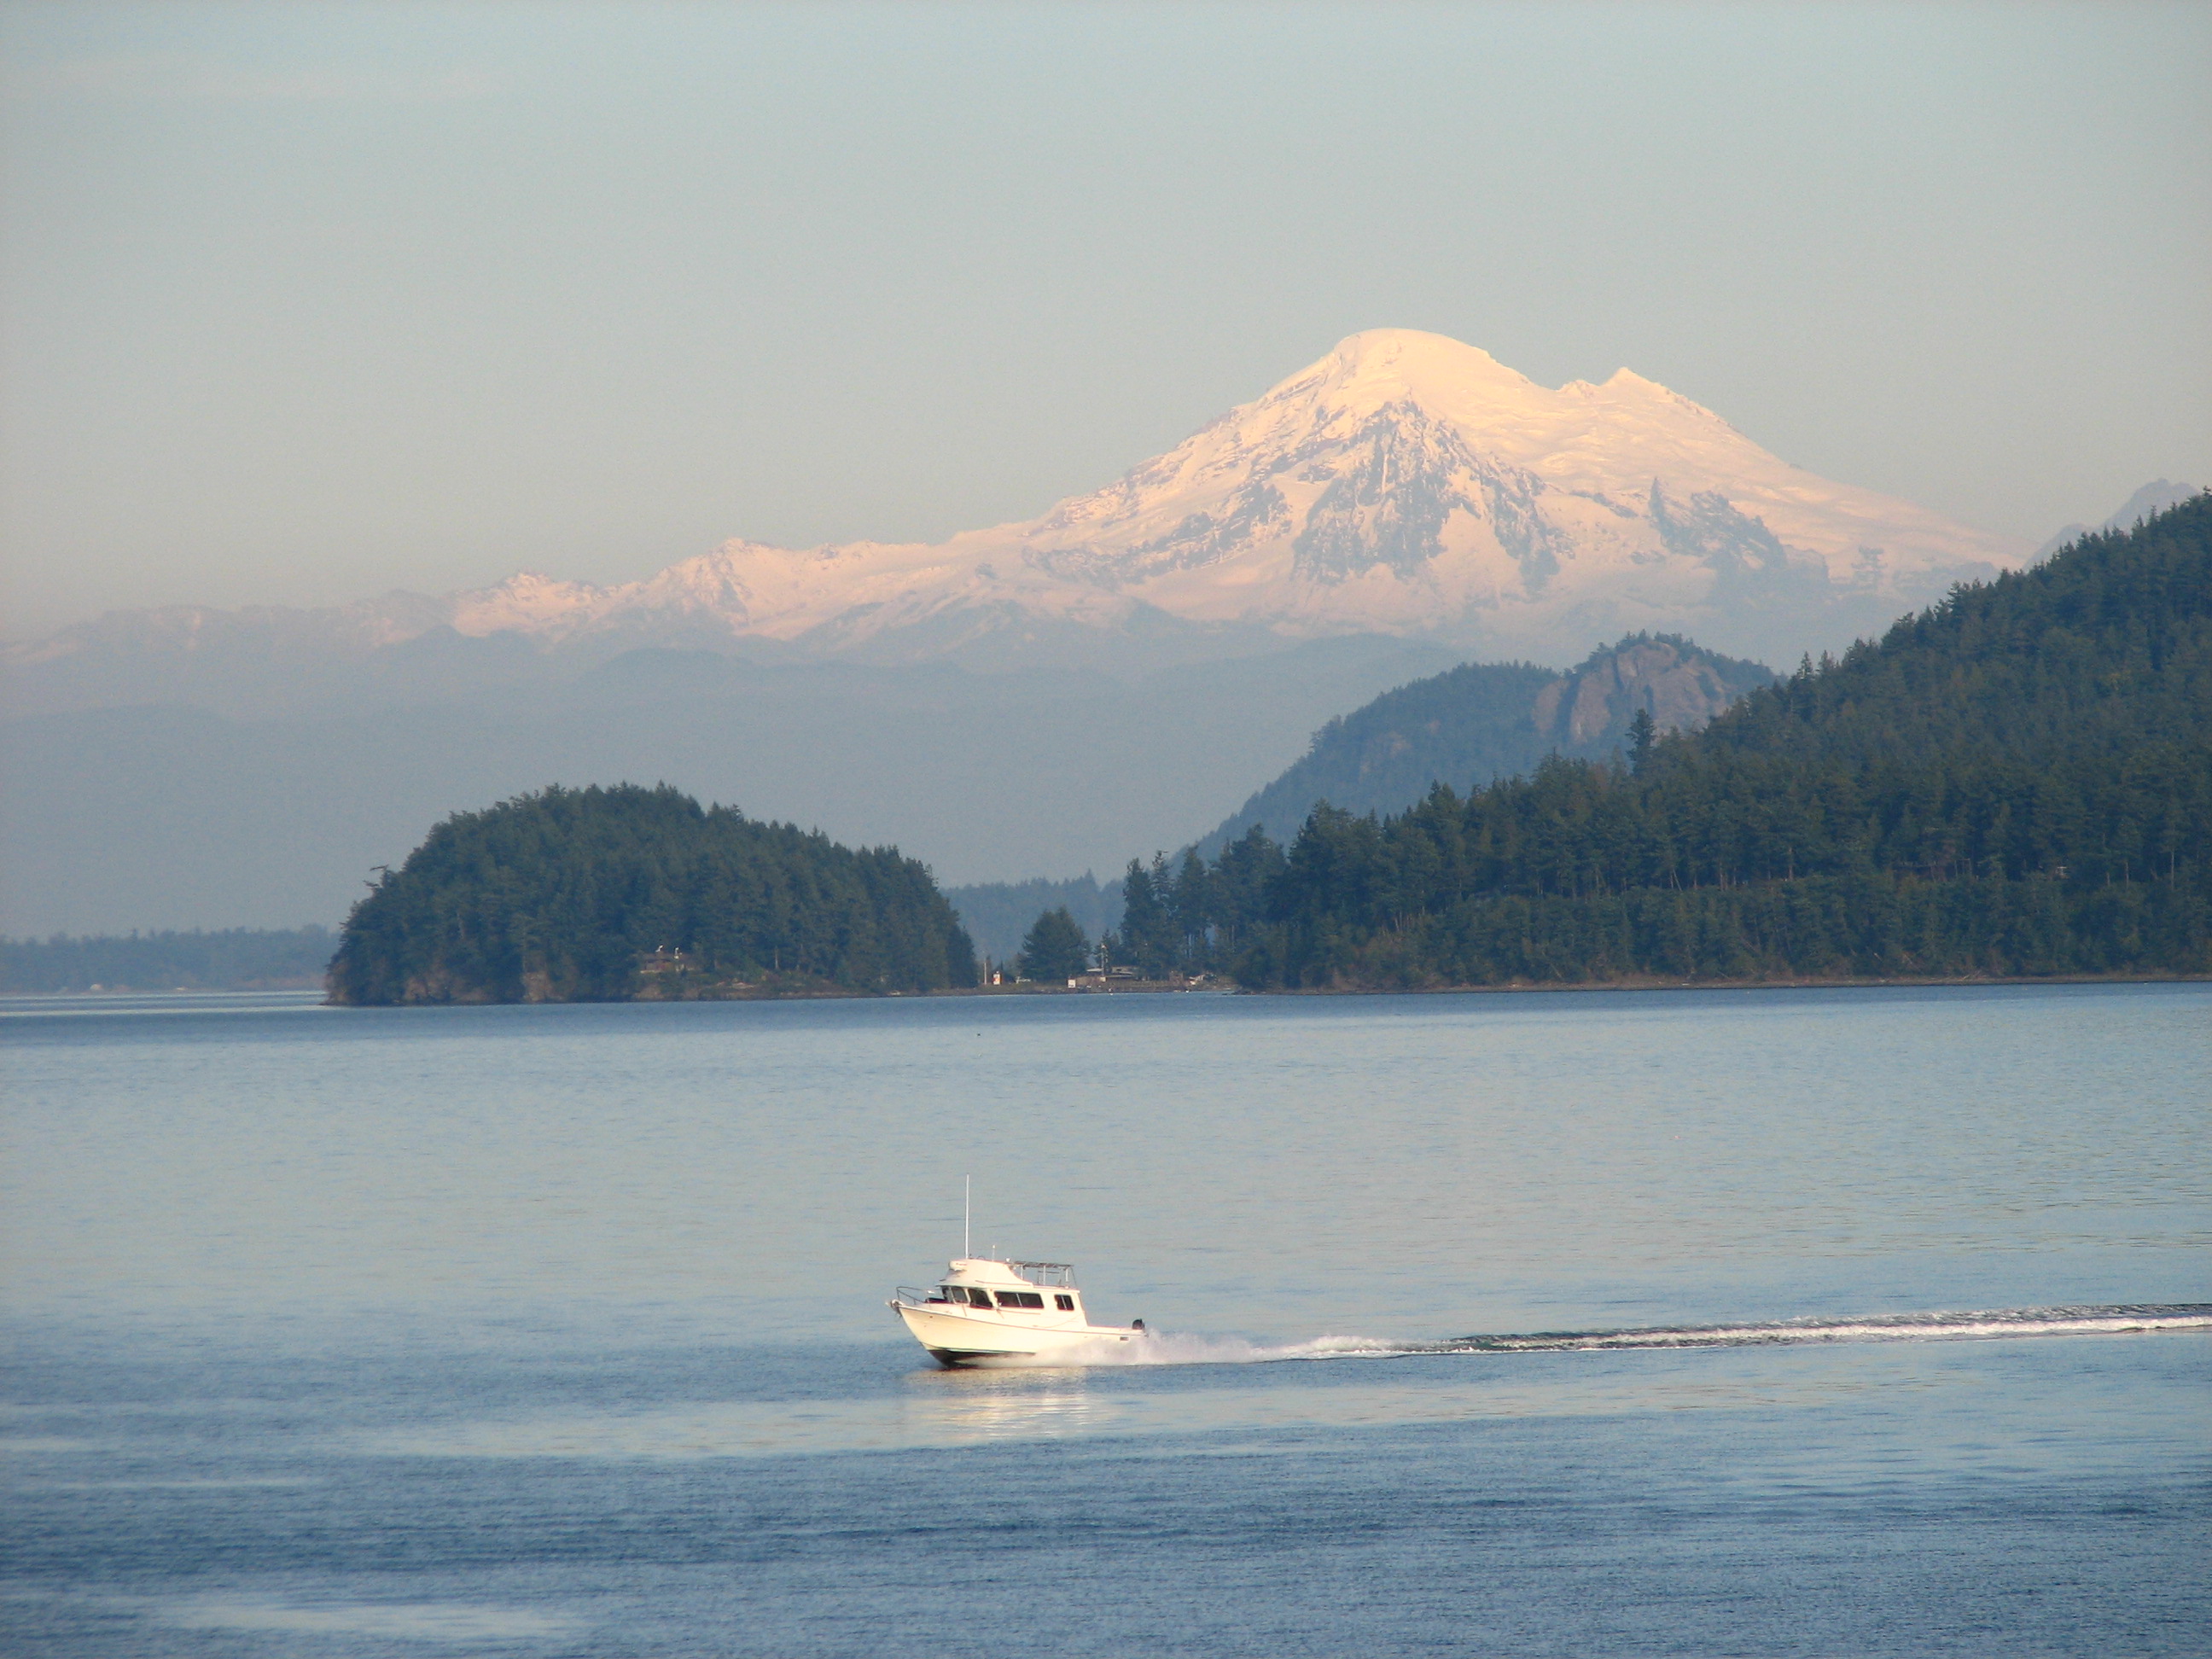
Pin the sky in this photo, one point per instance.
(300, 303)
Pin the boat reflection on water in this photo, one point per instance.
(973, 1407)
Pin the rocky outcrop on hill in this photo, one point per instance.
(1587, 711)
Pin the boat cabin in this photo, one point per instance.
(1044, 1292)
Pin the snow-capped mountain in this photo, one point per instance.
(1406, 485)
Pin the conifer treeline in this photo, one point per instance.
(601, 895)
(2016, 781)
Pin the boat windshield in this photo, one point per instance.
(976, 1295)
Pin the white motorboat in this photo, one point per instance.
(986, 1309)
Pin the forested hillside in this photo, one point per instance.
(1481, 722)
(602, 894)
(2017, 781)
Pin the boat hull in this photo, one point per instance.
(953, 1337)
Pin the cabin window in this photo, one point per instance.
(959, 1293)
(1065, 1304)
(1020, 1299)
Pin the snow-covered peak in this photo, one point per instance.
(1609, 438)
(1384, 366)
(1404, 482)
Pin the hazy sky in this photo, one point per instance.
(303, 302)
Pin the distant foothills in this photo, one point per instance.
(2014, 783)
(226, 959)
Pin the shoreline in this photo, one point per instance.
(1163, 987)
(1853, 983)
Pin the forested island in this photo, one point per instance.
(602, 895)
(2014, 783)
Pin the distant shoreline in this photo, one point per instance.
(1144, 987)
(1853, 983)
(1163, 987)
(257, 988)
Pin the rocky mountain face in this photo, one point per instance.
(1587, 711)
(1406, 485)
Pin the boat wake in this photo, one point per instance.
(1882, 1328)
(1169, 1348)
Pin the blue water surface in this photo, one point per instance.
(560, 1331)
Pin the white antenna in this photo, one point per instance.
(964, 1181)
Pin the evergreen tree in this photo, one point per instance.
(1192, 907)
(1242, 879)
(1643, 731)
(1151, 938)
(1054, 948)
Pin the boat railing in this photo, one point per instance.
(1051, 1275)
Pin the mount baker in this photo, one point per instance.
(1406, 485)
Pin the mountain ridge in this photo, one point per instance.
(1405, 485)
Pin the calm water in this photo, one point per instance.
(554, 1331)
